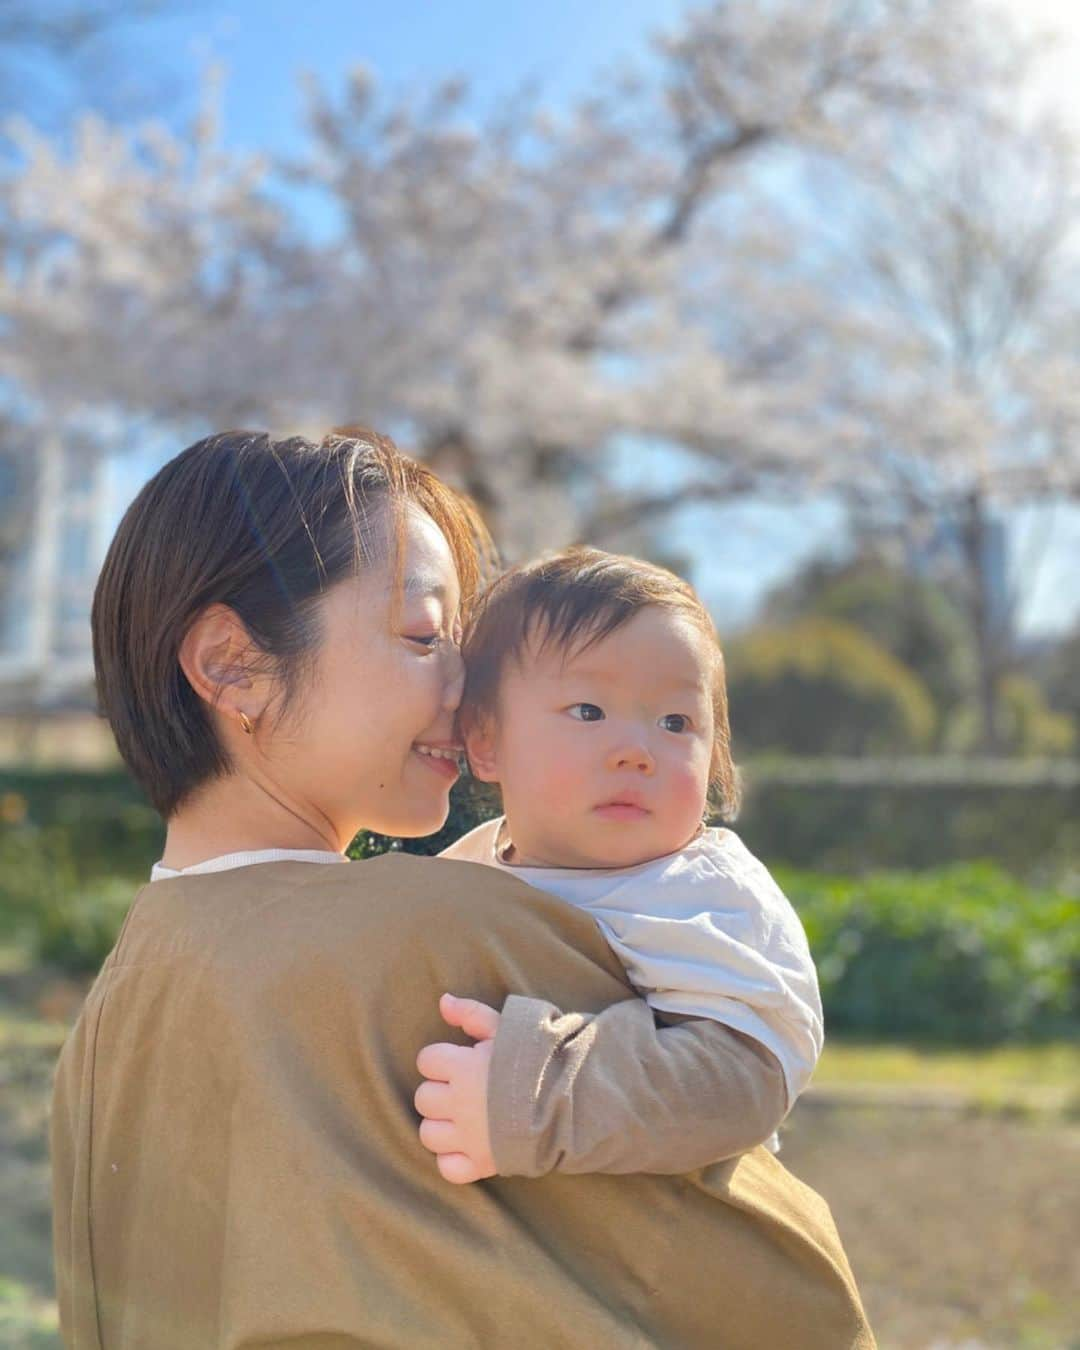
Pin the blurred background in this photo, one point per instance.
(784, 294)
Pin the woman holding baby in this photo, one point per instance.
(245, 1111)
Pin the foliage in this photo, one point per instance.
(964, 955)
(856, 816)
(93, 821)
(820, 686)
(1029, 725)
(911, 616)
(76, 930)
(35, 866)
(1057, 673)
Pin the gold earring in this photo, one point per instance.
(245, 722)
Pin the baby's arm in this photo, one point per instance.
(604, 1092)
(613, 1092)
(720, 951)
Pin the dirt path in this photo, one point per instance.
(961, 1229)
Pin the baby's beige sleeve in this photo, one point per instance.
(613, 1092)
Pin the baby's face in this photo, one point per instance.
(603, 756)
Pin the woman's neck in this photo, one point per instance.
(234, 815)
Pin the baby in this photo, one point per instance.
(595, 698)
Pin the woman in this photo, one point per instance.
(235, 1149)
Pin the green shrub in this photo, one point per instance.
(36, 865)
(915, 618)
(1029, 726)
(858, 816)
(964, 955)
(111, 827)
(77, 931)
(821, 686)
(811, 813)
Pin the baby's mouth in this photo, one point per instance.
(620, 809)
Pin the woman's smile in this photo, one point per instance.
(441, 759)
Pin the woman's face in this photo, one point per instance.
(355, 754)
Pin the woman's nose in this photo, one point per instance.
(631, 755)
(453, 677)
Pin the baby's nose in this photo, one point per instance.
(632, 757)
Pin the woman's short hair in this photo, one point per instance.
(569, 601)
(264, 527)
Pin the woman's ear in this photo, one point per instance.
(212, 658)
(480, 740)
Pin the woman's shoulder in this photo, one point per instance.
(266, 922)
(392, 887)
(393, 893)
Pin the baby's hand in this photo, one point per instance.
(454, 1102)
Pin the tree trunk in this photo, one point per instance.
(974, 542)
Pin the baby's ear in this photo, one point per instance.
(478, 733)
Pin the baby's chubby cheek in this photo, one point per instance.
(557, 781)
(551, 794)
(685, 790)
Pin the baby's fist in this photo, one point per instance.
(453, 1099)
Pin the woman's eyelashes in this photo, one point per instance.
(437, 639)
(676, 723)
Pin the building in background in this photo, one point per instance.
(46, 588)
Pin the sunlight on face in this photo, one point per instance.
(603, 754)
(387, 683)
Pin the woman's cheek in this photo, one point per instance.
(424, 673)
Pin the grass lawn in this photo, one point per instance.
(954, 1179)
(1015, 1080)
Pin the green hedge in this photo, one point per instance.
(98, 818)
(829, 815)
(861, 815)
(961, 955)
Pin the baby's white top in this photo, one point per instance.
(704, 931)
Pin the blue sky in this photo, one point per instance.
(561, 45)
(413, 42)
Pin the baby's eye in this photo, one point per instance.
(677, 722)
(586, 712)
(425, 639)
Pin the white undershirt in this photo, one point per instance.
(227, 861)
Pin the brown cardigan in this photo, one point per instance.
(236, 1160)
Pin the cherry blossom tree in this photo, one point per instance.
(958, 298)
(800, 248)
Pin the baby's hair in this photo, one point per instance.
(265, 527)
(569, 601)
